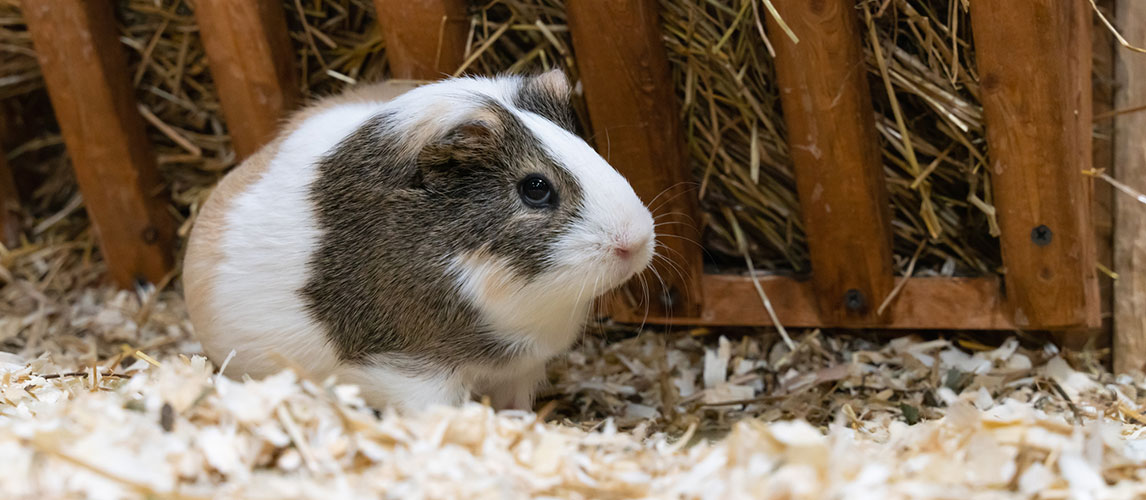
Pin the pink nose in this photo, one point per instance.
(626, 249)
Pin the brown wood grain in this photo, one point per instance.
(634, 114)
(1034, 61)
(1103, 47)
(86, 76)
(425, 39)
(835, 152)
(9, 206)
(252, 65)
(924, 304)
(1130, 214)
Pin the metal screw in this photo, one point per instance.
(150, 235)
(853, 300)
(1042, 235)
(669, 297)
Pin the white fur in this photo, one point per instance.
(271, 228)
(379, 380)
(612, 215)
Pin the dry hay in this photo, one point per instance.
(723, 69)
(114, 404)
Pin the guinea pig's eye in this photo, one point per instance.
(535, 191)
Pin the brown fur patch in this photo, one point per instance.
(204, 250)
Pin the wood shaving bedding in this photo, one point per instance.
(683, 414)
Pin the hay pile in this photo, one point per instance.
(114, 404)
(933, 158)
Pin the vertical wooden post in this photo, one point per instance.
(86, 77)
(425, 39)
(835, 150)
(1034, 63)
(9, 206)
(1130, 214)
(252, 64)
(632, 107)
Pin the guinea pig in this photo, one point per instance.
(425, 243)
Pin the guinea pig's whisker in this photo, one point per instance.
(657, 275)
(666, 257)
(670, 199)
(573, 311)
(647, 302)
(676, 268)
(685, 239)
(670, 188)
(685, 217)
(589, 311)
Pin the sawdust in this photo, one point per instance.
(112, 402)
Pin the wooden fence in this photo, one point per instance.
(1034, 62)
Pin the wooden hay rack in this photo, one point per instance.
(1034, 59)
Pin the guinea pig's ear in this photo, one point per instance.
(473, 142)
(550, 96)
(552, 84)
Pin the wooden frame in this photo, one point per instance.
(1040, 143)
(1051, 283)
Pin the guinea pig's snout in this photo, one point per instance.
(633, 249)
(626, 248)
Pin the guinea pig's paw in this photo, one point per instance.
(516, 392)
(384, 386)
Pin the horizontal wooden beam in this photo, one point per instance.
(922, 304)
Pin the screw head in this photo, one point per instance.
(1042, 235)
(854, 300)
(150, 235)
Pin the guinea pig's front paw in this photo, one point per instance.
(515, 393)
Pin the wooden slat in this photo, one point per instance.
(1130, 214)
(252, 65)
(835, 151)
(9, 206)
(425, 39)
(634, 115)
(85, 73)
(923, 304)
(1103, 50)
(1034, 62)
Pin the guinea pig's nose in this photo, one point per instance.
(625, 248)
